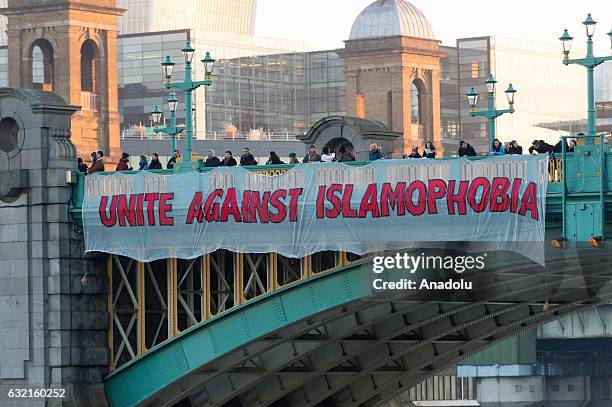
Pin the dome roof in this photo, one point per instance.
(390, 18)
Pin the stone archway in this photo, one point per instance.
(335, 144)
(334, 131)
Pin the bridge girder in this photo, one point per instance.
(337, 354)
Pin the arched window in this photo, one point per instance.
(89, 53)
(415, 102)
(42, 65)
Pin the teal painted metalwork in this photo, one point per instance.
(187, 351)
(491, 113)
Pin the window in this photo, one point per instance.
(474, 70)
(42, 65)
(88, 66)
(390, 110)
(415, 102)
(555, 387)
(571, 387)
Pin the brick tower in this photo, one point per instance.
(392, 71)
(68, 47)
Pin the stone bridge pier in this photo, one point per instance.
(53, 303)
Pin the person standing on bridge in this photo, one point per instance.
(175, 156)
(327, 156)
(414, 153)
(143, 164)
(124, 163)
(293, 158)
(82, 166)
(345, 154)
(515, 149)
(430, 150)
(274, 159)
(228, 160)
(247, 158)
(97, 164)
(212, 160)
(155, 164)
(466, 150)
(497, 148)
(312, 156)
(375, 153)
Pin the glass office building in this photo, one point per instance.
(144, 16)
(3, 66)
(549, 94)
(141, 85)
(274, 95)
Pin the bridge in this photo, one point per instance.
(229, 328)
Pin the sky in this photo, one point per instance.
(324, 24)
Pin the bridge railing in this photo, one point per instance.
(554, 176)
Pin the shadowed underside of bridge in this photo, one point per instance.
(334, 340)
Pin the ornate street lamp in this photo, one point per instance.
(188, 86)
(589, 24)
(510, 95)
(168, 67)
(491, 113)
(208, 62)
(590, 62)
(491, 83)
(173, 129)
(172, 102)
(566, 40)
(156, 114)
(472, 96)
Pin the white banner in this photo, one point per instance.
(388, 204)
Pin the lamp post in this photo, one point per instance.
(491, 113)
(188, 86)
(590, 62)
(173, 130)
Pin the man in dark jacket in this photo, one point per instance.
(514, 148)
(228, 160)
(466, 150)
(212, 160)
(175, 155)
(247, 158)
(155, 164)
(542, 147)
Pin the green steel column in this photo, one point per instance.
(591, 97)
(188, 107)
(491, 122)
(172, 133)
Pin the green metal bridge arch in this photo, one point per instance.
(332, 339)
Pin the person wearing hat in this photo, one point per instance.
(293, 158)
(124, 163)
(312, 156)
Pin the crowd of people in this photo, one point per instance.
(343, 154)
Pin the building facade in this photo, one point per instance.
(73, 54)
(144, 16)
